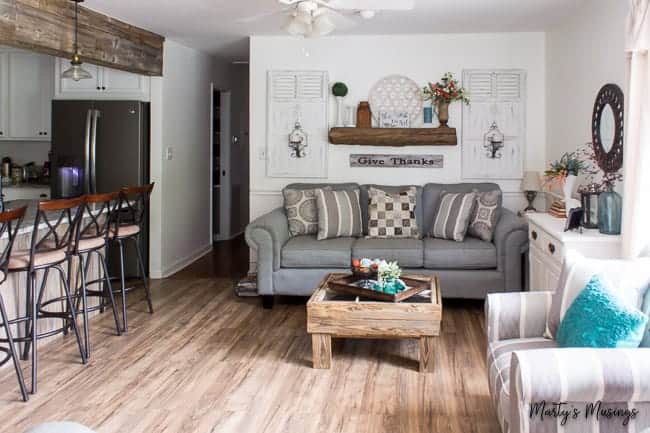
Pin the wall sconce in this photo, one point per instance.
(298, 141)
(494, 142)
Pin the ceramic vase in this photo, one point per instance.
(443, 114)
(567, 191)
(339, 112)
(610, 209)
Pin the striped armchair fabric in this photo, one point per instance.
(539, 388)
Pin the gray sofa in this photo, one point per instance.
(294, 265)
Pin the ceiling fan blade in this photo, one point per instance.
(371, 5)
(260, 16)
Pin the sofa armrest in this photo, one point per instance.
(267, 235)
(511, 241)
(516, 315)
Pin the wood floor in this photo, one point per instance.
(207, 361)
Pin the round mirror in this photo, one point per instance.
(607, 128)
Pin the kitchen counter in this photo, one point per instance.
(26, 191)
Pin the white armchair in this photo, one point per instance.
(537, 387)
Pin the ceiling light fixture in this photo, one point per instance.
(75, 71)
(322, 25)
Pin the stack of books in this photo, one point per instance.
(558, 209)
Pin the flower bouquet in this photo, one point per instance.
(443, 93)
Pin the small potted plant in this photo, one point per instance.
(340, 91)
(443, 93)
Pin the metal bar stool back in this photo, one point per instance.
(129, 217)
(10, 222)
(90, 239)
(52, 240)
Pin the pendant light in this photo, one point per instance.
(75, 71)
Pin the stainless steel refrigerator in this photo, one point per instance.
(101, 146)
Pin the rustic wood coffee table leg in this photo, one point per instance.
(426, 354)
(321, 346)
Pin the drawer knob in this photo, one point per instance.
(534, 235)
(551, 248)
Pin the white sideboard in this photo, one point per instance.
(549, 243)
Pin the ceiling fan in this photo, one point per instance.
(311, 18)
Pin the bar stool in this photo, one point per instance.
(48, 250)
(91, 238)
(9, 223)
(128, 218)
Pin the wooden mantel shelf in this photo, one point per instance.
(443, 136)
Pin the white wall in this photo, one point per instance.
(583, 53)
(180, 117)
(360, 61)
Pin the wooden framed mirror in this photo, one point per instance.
(607, 128)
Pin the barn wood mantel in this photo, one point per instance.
(394, 136)
(47, 26)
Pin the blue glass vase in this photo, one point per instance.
(428, 114)
(610, 210)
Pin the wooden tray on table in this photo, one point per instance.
(348, 286)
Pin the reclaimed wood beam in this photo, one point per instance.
(47, 26)
(394, 136)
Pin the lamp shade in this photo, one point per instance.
(322, 25)
(76, 72)
(531, 181)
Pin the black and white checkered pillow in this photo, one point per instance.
(392, 215)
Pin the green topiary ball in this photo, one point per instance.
(339, 89)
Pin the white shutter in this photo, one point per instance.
(496, 96)
(292, 96)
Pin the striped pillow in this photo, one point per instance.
(339, 214)
(454, 213)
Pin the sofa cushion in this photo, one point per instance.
(498, 362)
(339, 214)
(307, 252)
(485, 216)
(472, 253)
(453, 215)
(431, 198)
(364, 200)
(407, 252)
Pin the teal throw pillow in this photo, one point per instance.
(598, 318)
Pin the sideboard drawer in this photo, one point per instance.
(546, 244)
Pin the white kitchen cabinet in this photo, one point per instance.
(4, 94)
(30, 96)
(106, 83)
(25, 192)
(549, 244)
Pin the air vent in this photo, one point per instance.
(310, 86)
(284, 87)
(480, 85)
(509, 85)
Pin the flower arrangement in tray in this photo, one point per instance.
(568, 165)
(378, 275)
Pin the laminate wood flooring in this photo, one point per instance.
(207, 361)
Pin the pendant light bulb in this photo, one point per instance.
(76, 72)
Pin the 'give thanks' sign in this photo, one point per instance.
(396, 161)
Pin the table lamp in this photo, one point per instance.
(530, 184)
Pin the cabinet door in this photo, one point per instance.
(125, 84)
(47, 94)
(537, 276)
(81, 88)
(25, 98)
(4, 94)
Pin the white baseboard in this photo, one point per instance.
(181, 263)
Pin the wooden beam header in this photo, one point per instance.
(47, 26)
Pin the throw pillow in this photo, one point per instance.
(598, 318)
(392, 215)
(452, 219)
(484, 217)
(646, 311)
(339, 214)
(630, 279)
(302, 211)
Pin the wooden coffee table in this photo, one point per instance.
(333, 315)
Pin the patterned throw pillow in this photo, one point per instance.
(454, 213)
(484, 217)
(302, 211)
(339, 214)
(392, 215)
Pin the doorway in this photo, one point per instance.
(220, 145)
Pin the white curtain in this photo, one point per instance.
(636, 198)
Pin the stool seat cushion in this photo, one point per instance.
(125, 231)
(60, 427)
(91, 243)
(20, 258)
